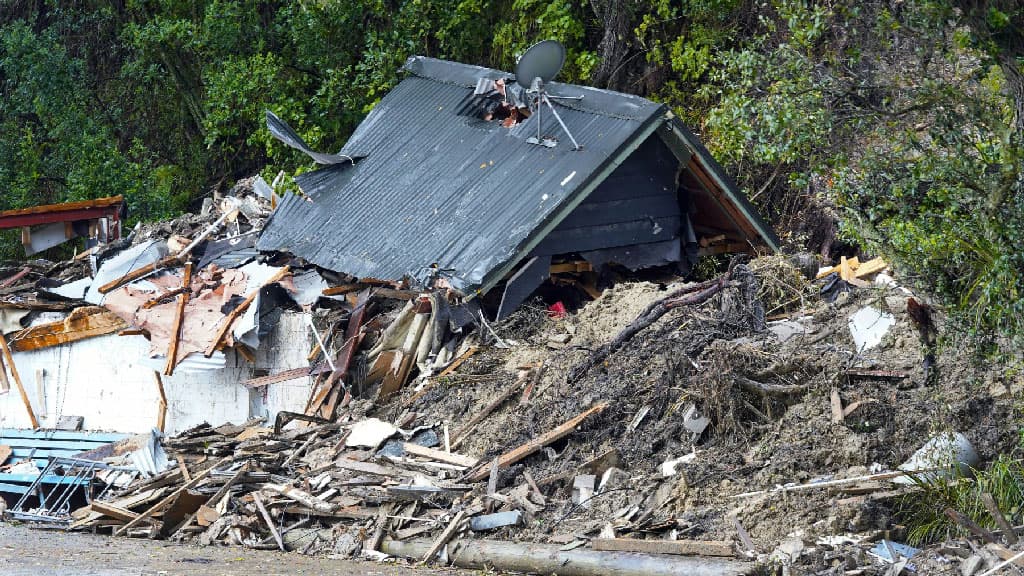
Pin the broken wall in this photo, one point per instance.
(107, 381)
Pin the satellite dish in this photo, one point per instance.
(538, 66)
(542, 60)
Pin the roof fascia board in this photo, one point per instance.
(728, 188)
(574, 201)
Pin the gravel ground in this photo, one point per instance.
(37, 552)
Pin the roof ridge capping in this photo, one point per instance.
(595, 100)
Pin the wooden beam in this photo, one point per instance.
(509, 458)
(997, 515)
(439, 455)
(445, 536)
(165, 262)
(684, 547)
(161, 414)
(179, 318)
(262, 381)
(17, 381)
(114, 512)
(230, 318)
(268, 520)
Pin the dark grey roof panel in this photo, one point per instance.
(439, 188)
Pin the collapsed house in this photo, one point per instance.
(427, 188)
(371, 275)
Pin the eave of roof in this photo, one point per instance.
(69, 211)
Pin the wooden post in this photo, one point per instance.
(179, 318)
(17, 381)
(5, 384)
(161, 415)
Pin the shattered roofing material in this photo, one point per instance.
(436, 187)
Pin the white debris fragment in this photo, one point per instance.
(868, 326)
(938, 456)
(370, 433)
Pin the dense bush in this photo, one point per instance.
(903, 119)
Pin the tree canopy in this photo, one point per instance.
(903, 120)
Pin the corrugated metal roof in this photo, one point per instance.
(439, 188)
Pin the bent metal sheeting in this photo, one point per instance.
(431, 188)
(440, 188)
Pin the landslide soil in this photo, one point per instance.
(702, 356)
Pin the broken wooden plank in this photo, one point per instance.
(167, 500)
(268, 520)
(373, 542)
(179, 317)
(837, 405)
(870, 267)
(997, 515)
(458, 361)
(5, 384)
(970, 525)
(161, 414)
(876, 374)
(304, 498)
(229, 320)
(681, 547)
(445, 536)
(165, 262)
(156, 300)
(439, 455)
(539, 442)
(17, 381)
(84, 322)
(353, 336)
(115, 512)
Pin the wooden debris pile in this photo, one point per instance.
(338, 487)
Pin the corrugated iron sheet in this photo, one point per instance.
(441, 189)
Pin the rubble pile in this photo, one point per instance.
(760, 418)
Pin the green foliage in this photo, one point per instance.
(923, 511)
(905, 118)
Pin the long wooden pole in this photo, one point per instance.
(17, 381)
(179, 319)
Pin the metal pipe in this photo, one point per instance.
(545, 559)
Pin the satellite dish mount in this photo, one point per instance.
(538, 66)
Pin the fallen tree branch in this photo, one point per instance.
(770, 389)
(689, 296)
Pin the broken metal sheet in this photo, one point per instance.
(143, 452)
(82, 323)
(47, 236)
(230, 252)
(868, 326)
(123, 263)
(246, 329)
(938, 458)
(72, 290)
(309, 287)
(282, 131)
